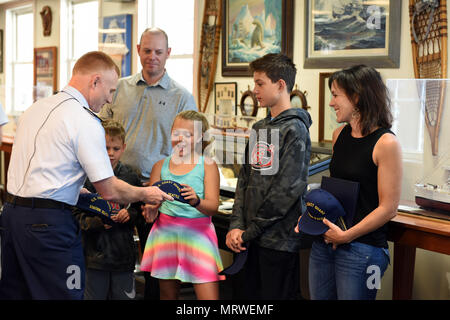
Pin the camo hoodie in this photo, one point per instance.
(272, 181)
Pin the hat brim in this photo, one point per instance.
(171, 187)
(95, 204)
(238, 262)
(311, 226)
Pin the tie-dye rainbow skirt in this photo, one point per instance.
(184, 249)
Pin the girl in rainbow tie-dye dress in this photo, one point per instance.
(182, 244)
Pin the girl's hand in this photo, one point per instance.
(189, 194)
(150, 212)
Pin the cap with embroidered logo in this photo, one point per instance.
(172, 188)
(320, 204)
(94, 203)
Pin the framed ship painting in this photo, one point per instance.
(343, 33)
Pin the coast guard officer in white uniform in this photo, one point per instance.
(59, 141)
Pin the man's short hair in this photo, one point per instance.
(114, 129)
(276, 66)
(155, 30)
(94, 61)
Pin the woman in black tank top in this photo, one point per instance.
(349, 264)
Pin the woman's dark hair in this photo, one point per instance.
(276, 66)
(365, 88)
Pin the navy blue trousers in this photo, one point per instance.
(41, 254)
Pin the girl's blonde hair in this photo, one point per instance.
(197, 116)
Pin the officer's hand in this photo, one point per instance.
(154, 195)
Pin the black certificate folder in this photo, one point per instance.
(346, 192)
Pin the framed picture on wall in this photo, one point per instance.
(251, 29)
(116, 41)
(225, 99)
(44, 72)
(339, 34)
(327, 116)
(225, 102)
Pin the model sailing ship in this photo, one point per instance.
(433, 196)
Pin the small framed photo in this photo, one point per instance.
(225, 99)
(327, 116)
(225, 102)
(44, 72)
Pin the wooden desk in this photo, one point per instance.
(408, 232)
(6, 147)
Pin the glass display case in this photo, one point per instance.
(421, 108)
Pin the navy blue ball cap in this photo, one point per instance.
(238, 262)
(94, 203)
(172, 188)
(319, 204)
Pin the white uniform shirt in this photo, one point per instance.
(57, 144)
